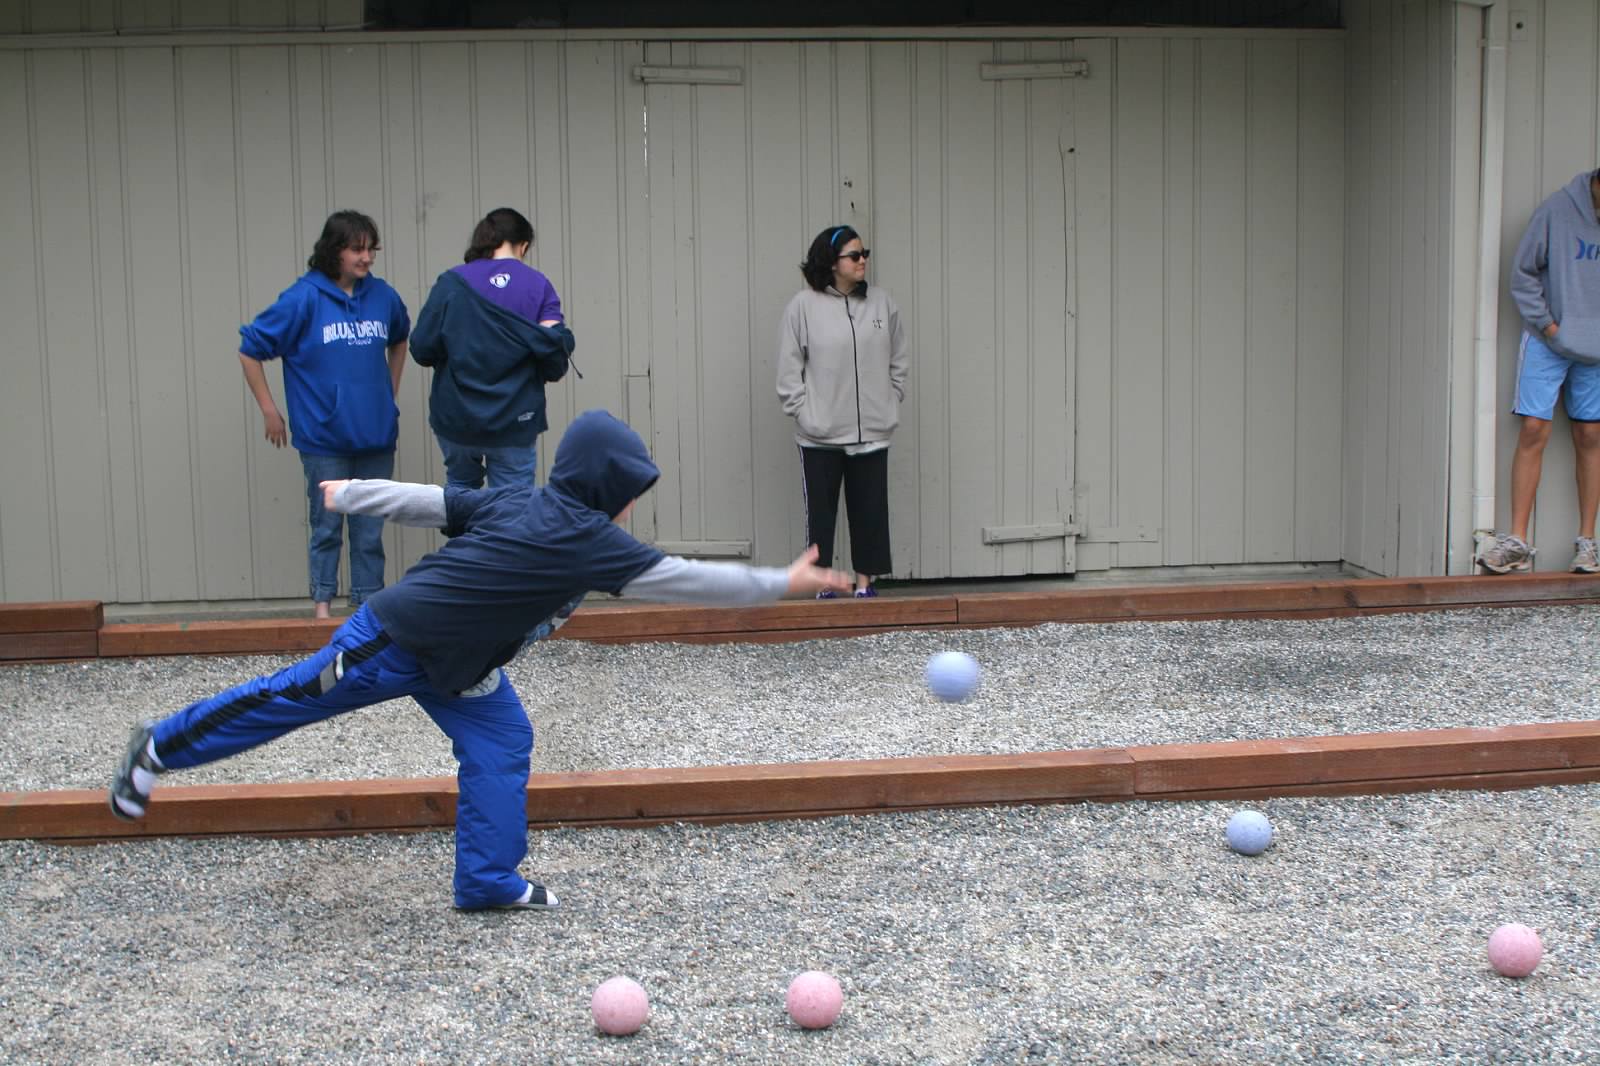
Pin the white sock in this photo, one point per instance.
(143, 780)
(150, 750)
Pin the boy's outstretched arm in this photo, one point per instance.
(393, 501)
(694, 581)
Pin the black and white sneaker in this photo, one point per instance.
(136, 776)
(536, 898)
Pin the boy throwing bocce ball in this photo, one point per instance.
(519, 561)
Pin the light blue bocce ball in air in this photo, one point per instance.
(1249, 832)
(952, 675)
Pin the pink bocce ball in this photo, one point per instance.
(814, 999)
(620, 1006)
(1515, 950)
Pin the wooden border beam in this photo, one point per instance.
(1517, 756)
(69, 629)
(806, 619)
(59, 616)
(1364, 757)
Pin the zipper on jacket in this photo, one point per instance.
(855, 363)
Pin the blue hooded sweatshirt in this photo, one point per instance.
(489, 364)
(1556, 274)
(335, 364)
(519, 554)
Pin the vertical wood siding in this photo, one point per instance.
(1210, 236)
(1124, 292)
(1397, 310)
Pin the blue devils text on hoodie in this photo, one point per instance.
(335, 366)
(1556, 274)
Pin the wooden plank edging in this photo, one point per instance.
(55, 616)
(1363, 757)
(1279, 599)
(68, 629)
(806, 619)
(1519, 756)
(788, 620)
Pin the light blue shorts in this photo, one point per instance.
(1540, 376)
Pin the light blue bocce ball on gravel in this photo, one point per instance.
(952, 675)
(1249, 833)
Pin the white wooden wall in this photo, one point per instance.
(1400, 235)
(1124, 291)
(1210, 228)
(1552, 132)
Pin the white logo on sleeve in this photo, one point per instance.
(499, 281)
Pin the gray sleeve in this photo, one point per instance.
(693, 581)
(792, 357)
(899, 354)
(395, 501)
(1528, 273)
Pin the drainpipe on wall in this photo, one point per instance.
(1486, 326)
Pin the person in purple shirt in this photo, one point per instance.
(493, 333)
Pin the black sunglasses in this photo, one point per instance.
(856, 257)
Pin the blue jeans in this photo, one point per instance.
(466, 464)
(327, 527)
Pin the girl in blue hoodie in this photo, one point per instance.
(341, 333)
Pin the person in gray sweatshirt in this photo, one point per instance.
(1555, 282)
(843, 363)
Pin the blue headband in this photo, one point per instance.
(835, 238)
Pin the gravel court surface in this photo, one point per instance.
(1119, 933)
(598, 707)
(1093, 933)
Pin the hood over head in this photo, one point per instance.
(1578, 189)
(602, 463)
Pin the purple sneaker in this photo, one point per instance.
(827, 594)
(870, 592)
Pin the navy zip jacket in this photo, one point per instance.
(490, 366)
(519, 554)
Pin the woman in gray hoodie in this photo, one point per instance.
(842, 369)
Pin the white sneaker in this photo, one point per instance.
(1587, 561)
(1504, 553)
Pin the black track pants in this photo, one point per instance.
(866, 498)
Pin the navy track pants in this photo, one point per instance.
(490, 731)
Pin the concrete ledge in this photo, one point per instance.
(1519, 756)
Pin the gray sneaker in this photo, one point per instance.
(1587, 561)
(1504, 553)
(129, 794)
